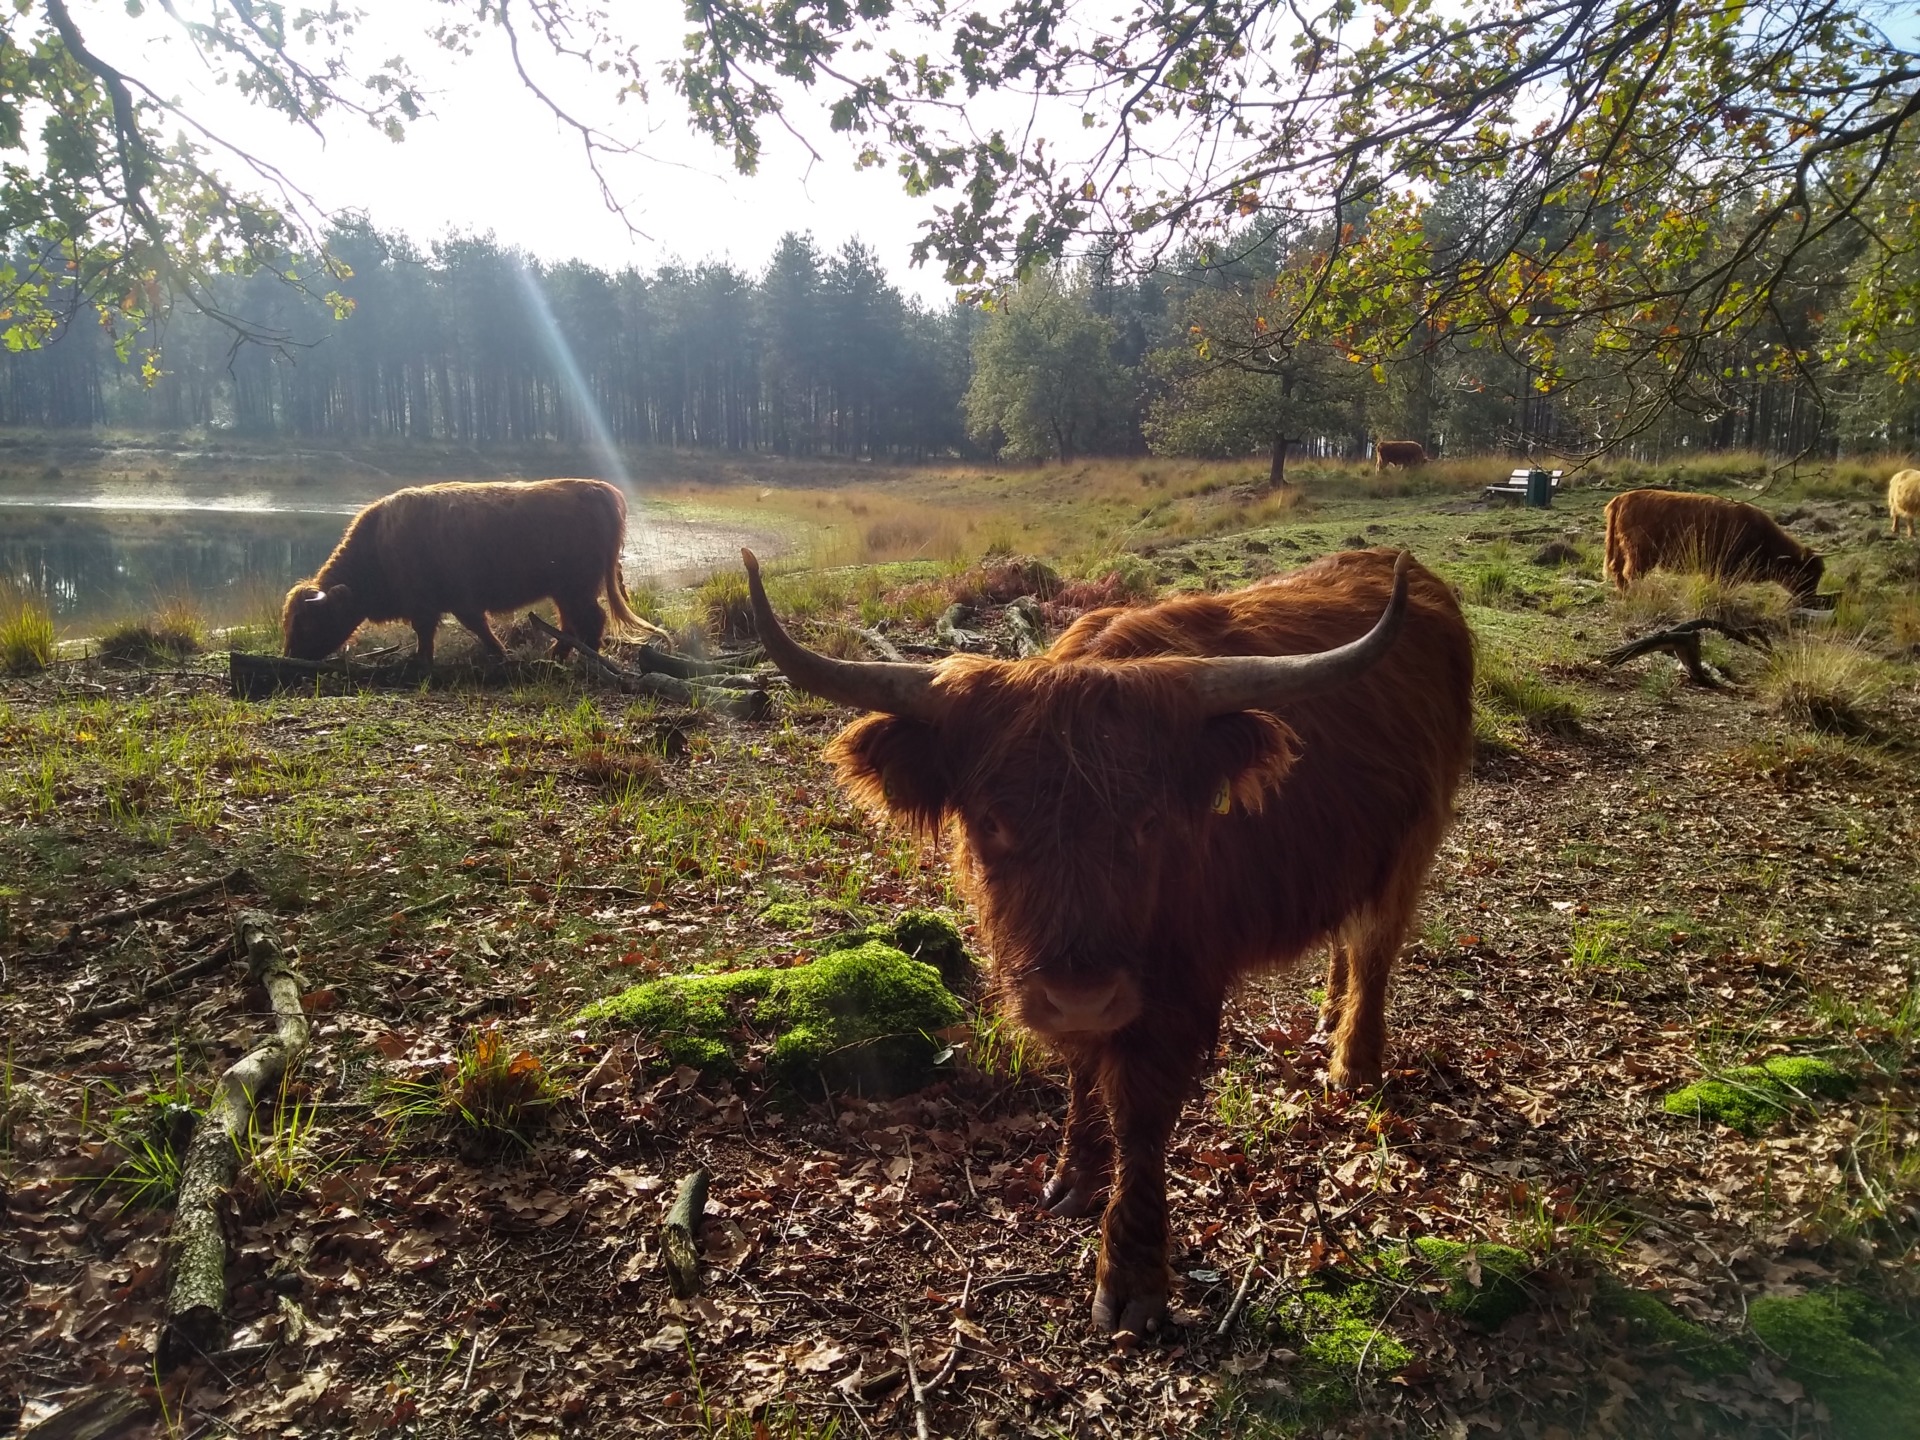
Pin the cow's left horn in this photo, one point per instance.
(888, 686)
(1251, 682)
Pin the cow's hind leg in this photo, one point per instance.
(1086, 1148)
(1339, 977)
(582, 617)
(476, 621)
(1372, 940)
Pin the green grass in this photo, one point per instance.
(1825, 685)
(490, 1091)
(1511, 691)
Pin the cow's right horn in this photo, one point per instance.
(888, 686)
(1252, 682)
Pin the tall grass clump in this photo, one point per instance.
(1508, 689)
(725, 607)
(1823, 684)
(26, 633)
(1668, 597)
(173, 632)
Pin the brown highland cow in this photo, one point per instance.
(467, 549)
(1404, 453)
(1676, 530)
(1169, 799)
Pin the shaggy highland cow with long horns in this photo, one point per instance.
(1170, 798)
(468, 550)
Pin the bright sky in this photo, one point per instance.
(493, 158)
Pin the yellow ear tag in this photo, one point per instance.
(1223, 799)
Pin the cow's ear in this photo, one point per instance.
(896, 765)
(1239, 760)
(340, 595)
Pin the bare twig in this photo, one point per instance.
(922, 1418)
(1239, 1296)
(165, 985)
(235, 879)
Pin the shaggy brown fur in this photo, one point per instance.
(468, 550)
(1130, 858)
(1405, 453)
(1675, 530)
(1903, 501)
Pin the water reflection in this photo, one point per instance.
(94, 565)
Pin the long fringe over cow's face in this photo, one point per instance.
(1074, 791)
(315, 623)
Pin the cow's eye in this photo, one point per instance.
(992, 832)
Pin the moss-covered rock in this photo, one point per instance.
(1656, 1330)
(926, 936)
(1858, 1358)
(803, 915)
(1751, 1097)
(1500, 1289)
(866, 1017)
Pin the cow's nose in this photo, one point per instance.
(1087, 1008)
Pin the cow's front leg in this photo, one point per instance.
(1086, 1148)
(1145, 1080)
(423, 636)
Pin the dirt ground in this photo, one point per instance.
(1662, 884)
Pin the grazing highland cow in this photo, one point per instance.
(1903, 501)
(1404, 453)
(1674, 530)
(418, 554)
(1170, 798)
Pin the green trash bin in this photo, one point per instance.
(1539, 489)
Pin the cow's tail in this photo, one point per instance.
(622, 613)
(1615, 558)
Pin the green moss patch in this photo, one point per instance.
(1751, 1097)
(1485, 1283)
(1858, 1358)
(1654, 1329)
(864, 1017)
(928, 937)
(1337, 1326)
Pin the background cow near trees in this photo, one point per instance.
(1903, 501)
(1672, 530)
(1170, 798)
(467, 550)
(1404, 453)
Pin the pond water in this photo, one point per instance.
(97, 555)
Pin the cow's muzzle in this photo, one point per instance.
(1080, 1007)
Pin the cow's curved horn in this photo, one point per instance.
(1251, 682)
(888, 686)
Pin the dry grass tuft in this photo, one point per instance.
(1824, 684)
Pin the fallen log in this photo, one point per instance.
(1683, 643)
(197, 1295)
(754, 704)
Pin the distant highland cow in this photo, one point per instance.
(1674, 530)
(1903, 501)
(1404, 453)
(468, 550)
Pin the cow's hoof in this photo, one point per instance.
(1352, 1077)
(1070, 1195)
(1139, 1311)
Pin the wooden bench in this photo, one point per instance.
(1514, 487)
